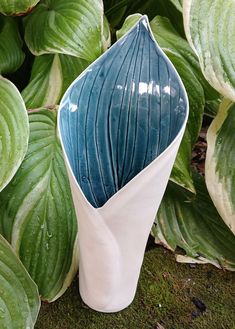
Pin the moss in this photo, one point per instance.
(164, 296)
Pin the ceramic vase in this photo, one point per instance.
(120, 124)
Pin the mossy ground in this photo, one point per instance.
(164, 298)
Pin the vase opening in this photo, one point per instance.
(120, 114)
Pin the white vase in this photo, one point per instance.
(113, 236)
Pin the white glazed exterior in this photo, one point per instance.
(112, 238)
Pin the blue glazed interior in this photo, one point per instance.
(121, 114)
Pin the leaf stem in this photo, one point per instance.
(49, 108)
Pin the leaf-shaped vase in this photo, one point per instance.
(120, 123)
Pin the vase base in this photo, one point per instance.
(106, 309)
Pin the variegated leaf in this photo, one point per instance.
(51, 75)
(67, 27)
(209, 27)
(14, 131)
(16, 7)
(169, 39)
(193, 224)
(37, 214)
(220, 160)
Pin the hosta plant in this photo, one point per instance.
(44, 46)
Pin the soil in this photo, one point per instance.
(169, 296)
(199, 152)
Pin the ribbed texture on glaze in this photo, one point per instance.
(121, 114)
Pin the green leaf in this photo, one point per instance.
(177, 4)
(220, 159)
(14, 131)
(129, 22)
(188, 68)
(195, 226)
(11, 54)
(37, 214)
(117, 11)
(71, 67)
(73, 27)
(16, 7)
(209, 27)
(212, 107)
(106, 38)
(19, 299)
(181, 173)
(51, 76)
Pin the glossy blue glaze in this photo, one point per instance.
(120, 114)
